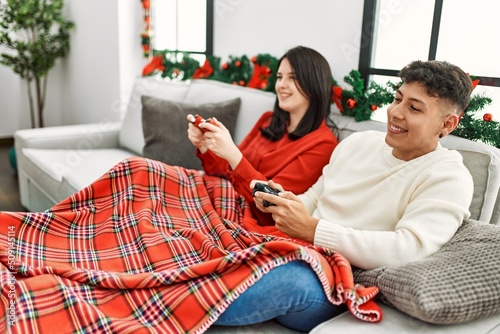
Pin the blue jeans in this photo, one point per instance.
(292, 294)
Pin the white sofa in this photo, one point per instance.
(55, 162)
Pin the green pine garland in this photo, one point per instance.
(214, 62)
(182, 69)
(482, 129)
(236, 71)
(358, 102)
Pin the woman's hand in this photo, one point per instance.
(289, 213)
(196, 136)
(219, 141)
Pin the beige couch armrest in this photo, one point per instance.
(84, 136)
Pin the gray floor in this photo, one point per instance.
(9, 189)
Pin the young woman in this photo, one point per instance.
(289, 145)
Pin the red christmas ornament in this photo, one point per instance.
(242, 83)
(254, 59)
(351, 103)
(373, 107)
(237, 63)
(488, 117)
(225, 66)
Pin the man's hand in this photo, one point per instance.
(288, 211)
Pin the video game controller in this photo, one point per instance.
(198, 120)
(265, 189)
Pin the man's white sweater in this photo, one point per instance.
(377, 210)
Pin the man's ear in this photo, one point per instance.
(450, 123)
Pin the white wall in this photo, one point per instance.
(94, 82)
(261, 26)
(130, 26)
(10, 101)
(90, 81)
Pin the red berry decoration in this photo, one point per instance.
(238, 63)
(373, 107)
(225, 66)
(242, 83)
(350, 103)
(254, 59)
(488, 117)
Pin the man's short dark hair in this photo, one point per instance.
(440, 79)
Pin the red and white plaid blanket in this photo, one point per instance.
(147, 248)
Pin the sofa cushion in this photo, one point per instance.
(397, 322)
(495, 218)
(483, 162)
(131, 136)
(165, 128)
(459, 283)
(254, 102)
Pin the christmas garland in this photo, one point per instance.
(259, 72)
(148, 31)
(476, 127)
(359, 103)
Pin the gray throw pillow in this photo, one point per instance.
(459, 283)
(165, 128)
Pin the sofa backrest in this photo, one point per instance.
(482, 161)
(254, 102)
(131, 136)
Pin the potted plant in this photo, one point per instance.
(33, 35)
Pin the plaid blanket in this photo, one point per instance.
(147, 248)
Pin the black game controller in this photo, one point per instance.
(265, 189)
